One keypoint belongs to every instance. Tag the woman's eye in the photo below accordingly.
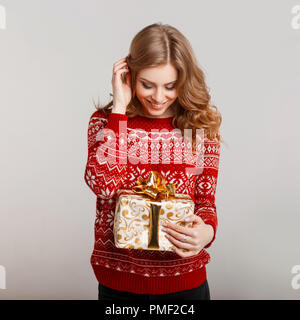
(172, 88)
(147, 87)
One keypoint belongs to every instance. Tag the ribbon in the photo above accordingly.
(155, 186)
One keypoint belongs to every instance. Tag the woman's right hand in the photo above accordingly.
(122, 92)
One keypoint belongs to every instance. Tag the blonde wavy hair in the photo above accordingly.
(159, 44)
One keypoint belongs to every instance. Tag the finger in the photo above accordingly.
(182, 252)
(177, 228)
(195, 219)
(119, 61)
(118, 67)
(178, 243)
(189, 234)
(118, 72)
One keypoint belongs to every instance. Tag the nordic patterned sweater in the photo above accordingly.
(122, 149)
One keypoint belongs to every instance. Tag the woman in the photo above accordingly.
(157, 86)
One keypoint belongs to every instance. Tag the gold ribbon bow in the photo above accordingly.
(155, 186)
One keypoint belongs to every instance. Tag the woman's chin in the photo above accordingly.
(154, 113)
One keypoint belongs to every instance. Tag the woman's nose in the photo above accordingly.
(159, 96)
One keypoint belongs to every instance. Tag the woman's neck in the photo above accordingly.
(168, 114)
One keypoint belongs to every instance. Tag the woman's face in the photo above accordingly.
(155, 89)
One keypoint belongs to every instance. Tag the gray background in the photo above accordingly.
(56, 56)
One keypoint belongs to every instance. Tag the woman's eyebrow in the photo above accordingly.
(154, 83)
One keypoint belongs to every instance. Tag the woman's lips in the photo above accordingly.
(157, 107)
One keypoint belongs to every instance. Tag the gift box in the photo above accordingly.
(141, 211)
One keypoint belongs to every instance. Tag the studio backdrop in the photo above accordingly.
(56, 57)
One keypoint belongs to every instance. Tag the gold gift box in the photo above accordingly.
(139, 217)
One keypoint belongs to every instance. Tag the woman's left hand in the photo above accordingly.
(189, 241)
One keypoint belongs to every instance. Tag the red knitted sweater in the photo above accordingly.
(122, 149)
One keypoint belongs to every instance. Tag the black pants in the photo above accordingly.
(199, 293)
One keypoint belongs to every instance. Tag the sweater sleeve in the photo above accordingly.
(205, 186)
(106, 165)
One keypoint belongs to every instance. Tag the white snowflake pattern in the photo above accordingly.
(110, 218)
(90, 178)
(106, 193)
(99, 217)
